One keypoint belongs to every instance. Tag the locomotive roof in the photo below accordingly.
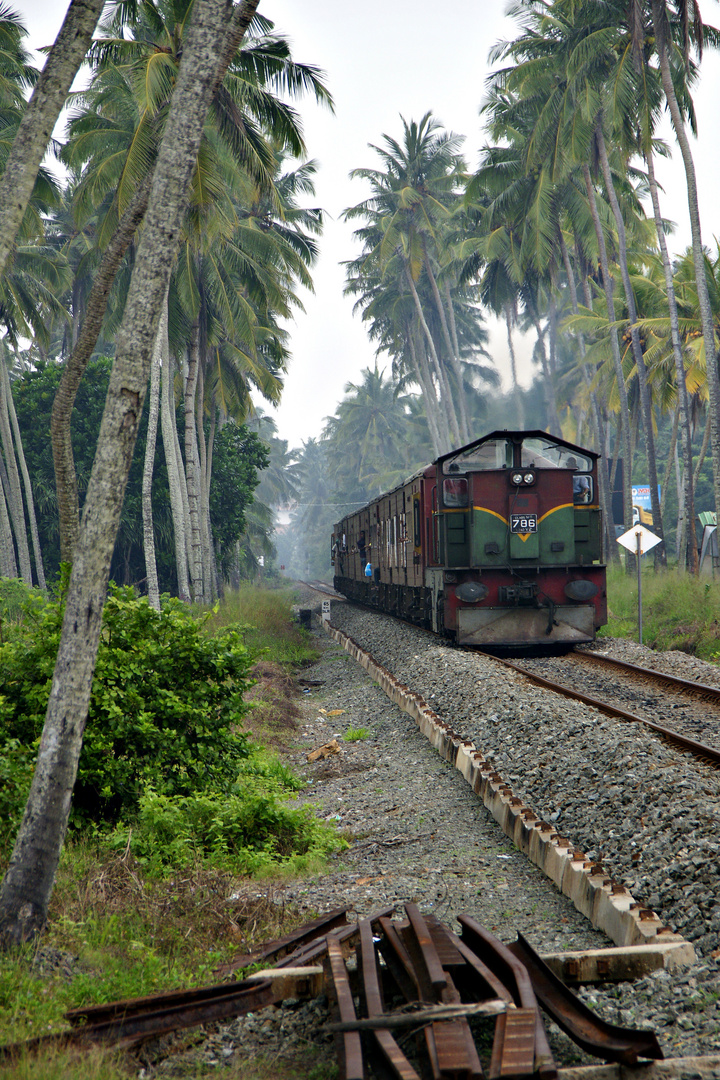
(501, 434)
(508, 433)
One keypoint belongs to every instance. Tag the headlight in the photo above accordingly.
(470, 592)
(529, 478)
(517, 478)
(581, 590)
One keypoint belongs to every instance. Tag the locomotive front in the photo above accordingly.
(515, 537)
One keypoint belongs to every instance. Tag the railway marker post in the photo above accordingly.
(639, 540)
(326, 611)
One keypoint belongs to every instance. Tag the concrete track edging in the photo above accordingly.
(608, 905)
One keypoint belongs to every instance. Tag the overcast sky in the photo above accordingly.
(384, 59)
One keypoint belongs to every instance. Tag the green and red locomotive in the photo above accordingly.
(497, 544)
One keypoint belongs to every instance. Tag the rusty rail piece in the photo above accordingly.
(596, 1036)
(605, 902)
(523, 1038)
(289, 943)
(130, 1022)
(349, 1047)
(708, 754)
(395, 1060)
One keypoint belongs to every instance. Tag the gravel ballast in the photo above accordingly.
(646, 810)
(416, 832)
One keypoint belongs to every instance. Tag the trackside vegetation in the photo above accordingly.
(182, 821)
(679, 611)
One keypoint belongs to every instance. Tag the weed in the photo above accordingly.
(356, 734)
(679, 611)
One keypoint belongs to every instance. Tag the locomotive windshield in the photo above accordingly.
(546, 454)
(492, 454)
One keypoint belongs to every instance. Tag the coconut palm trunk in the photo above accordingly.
(27, 486)
(174, 470)
(153, 587)
(713, 381)
(28, 883)
(617, 359)
(192, 466)
(74, 369)
(43, 110)
(640, 367)
(14, 490)
(8, 563)
(448, 406)
(688, 554)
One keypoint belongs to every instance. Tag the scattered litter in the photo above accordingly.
(504, 856)
(331, 712)
(328, 748)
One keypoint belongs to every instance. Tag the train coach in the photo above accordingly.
(497, 544)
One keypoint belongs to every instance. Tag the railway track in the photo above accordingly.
(675, 709)
(412, 976)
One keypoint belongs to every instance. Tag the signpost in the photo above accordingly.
(326, 611)
(639, 540)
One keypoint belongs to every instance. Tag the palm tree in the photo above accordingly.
(404, 243)
(114, 137)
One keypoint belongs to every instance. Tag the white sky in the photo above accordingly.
(384, 58)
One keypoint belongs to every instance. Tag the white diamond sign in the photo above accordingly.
(647, 539)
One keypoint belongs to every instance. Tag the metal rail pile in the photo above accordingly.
(413, 976)
(442, 981)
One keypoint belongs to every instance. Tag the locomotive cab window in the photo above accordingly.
(582, 486)
(455, 492)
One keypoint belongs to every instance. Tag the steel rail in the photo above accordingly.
(694, 689)
(709, 754)
(596, 1036)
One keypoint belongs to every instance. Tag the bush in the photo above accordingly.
(245, 831)
(166, 700)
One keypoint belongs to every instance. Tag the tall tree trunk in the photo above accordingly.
(29, 500)
(192, 467)
(688, 555)
(517, 396)
(456, 352)
(153, 587)
(43, 110)
(8, 565)
(422, 373)
(445, 390)
(14, 494)
(28, 883)
(174, 471)
(453, 358)
(608, 541)
(209, 590)
(708, 329)
(617, 359)
(74, 369)
(640, 367)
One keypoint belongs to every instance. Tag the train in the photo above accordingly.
(497, 544)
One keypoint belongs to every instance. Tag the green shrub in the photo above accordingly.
(166, 700)
(246, 831)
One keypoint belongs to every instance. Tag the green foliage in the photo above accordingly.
(244, 830)
(237, 457)
(679, 611)
(165, 703)
(266, 622)
(356, 734)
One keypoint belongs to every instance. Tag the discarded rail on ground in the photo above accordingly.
(389, 981)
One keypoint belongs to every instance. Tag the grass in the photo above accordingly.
(264, 615)
(679, 611)
(356, 734)
(117, 931)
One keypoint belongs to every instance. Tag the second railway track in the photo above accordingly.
(683, 712)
